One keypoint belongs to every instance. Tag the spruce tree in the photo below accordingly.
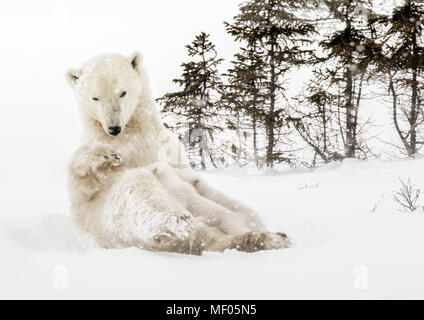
(326, 114)
(402, 62)
(194, 111)
(283, 37)
(245, 96)
(349, 51)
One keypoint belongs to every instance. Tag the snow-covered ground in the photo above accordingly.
(350, 242)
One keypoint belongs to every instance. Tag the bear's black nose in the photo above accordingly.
(114, 131)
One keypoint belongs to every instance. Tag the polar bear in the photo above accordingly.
(130, 183)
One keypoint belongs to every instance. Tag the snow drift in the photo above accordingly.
(351, 241)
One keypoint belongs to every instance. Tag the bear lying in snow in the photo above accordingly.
(130, 182)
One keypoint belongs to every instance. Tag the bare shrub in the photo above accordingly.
(407, 196)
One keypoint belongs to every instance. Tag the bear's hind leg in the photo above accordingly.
(140, 212)
(184, 192)
(253, 241)
(206, 191)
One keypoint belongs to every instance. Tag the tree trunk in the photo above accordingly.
(413, 112)
(255, 134)
(324, 125)
(200, 138)
(270, 122)
(395, 114)
(350, 147)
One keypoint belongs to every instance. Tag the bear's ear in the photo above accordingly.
(136, 59)
(72, 75)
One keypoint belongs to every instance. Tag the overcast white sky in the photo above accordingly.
(39, 40)
(62, 34)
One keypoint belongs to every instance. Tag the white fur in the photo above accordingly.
(136, 188)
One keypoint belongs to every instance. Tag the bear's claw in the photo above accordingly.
(108, 160)
(260, 240)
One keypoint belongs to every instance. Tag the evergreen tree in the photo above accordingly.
(244, 95)
(349, 51)
(272, 26)
(194, 110)
(402, 62)
(327, 112)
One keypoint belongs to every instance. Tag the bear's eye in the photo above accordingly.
(123, 94)
(95, 99)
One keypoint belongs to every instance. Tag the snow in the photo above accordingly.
(351, 241)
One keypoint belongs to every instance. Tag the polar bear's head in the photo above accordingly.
(108, 88)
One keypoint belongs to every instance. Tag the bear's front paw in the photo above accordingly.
(108, 160)
(97, 157)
